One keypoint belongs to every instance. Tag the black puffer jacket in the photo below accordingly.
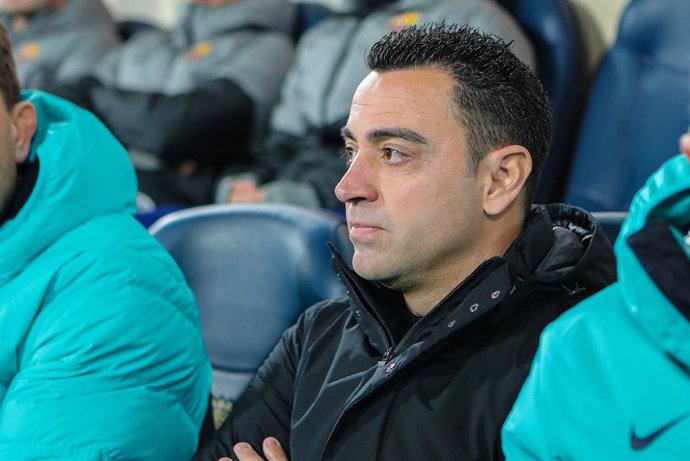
(340, 386)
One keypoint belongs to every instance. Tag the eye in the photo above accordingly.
(394, 156)
(347, 153)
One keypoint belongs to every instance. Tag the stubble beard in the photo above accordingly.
(8, 180)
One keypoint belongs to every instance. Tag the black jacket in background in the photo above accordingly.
(340, 386)
(314, 159)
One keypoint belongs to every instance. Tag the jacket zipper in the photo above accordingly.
(419, 326)
(421, 323)
(360, 306)
(387, 340)
(388, 355)
(390, 352)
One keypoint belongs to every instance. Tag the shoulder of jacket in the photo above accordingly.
(114, 248)
(326, 312)
(593, 314)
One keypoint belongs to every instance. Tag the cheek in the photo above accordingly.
(8, 178)
(447, 194)
(454, 206)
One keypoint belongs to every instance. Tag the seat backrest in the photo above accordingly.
(638, 107)
(561, 66)
(254, 269)
(308, 14)
(611, 221)
(128, 28)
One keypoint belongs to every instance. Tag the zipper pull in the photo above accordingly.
(574, 291)
(388, 355)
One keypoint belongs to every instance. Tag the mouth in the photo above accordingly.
(362, 230)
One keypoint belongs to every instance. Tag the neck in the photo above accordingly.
(425, 296)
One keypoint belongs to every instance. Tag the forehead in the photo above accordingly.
(408, 97)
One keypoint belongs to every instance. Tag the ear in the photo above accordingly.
(25, 122)
(503, 174)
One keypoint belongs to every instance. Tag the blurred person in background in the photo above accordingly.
(187, 102)
(101, 351)
(611, 379)
(57, 41)
(298, 162)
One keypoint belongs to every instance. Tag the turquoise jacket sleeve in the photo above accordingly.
(113, 366)
(525, 434)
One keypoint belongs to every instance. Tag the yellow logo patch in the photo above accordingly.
(199, 51)
(30, 51)
(406, 19)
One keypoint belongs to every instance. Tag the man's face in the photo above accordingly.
(8, 158)
(412, 208)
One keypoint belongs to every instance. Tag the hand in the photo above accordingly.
(271, 446)
(188, 168)
(244, 191)
(685, 144)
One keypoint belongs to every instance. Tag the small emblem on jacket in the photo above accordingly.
(199, 51)
(29, 51)
(406, 19)
(638, 443)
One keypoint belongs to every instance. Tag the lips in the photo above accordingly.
(361, 230)
(352, 223)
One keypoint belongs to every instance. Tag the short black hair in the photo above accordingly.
(9, 84)
(496, 97)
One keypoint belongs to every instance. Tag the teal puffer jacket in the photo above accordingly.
(101, 353)
(611, 380)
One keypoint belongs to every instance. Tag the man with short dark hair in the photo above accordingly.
(297, 161)
(454, 278)
(101, 353)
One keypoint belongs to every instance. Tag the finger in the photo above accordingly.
(245, 452)
(273, 450)
(255, 198)
(247, 197)
(244, 185)
(240, 188)
(685, 144)
(187, 168)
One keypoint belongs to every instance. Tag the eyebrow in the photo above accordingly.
(379, 134)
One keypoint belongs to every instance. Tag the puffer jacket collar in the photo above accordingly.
(559, 245)
(654, 259)
(70, 188)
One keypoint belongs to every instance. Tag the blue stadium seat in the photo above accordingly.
(561, 64)
(253, 269)
(638, 108)
(147, 218)
(128, 28)
(308, 14)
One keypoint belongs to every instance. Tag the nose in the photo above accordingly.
(357, 184)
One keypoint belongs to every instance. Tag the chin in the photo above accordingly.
(370, 270)
(364, 267)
